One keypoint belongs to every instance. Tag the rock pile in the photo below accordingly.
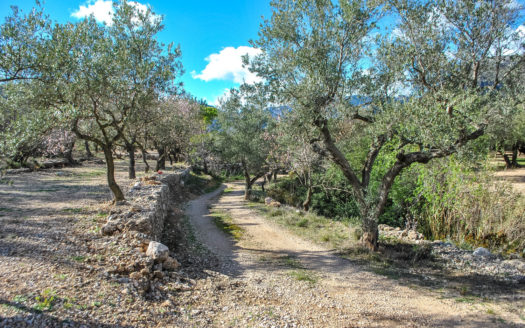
(398, 233)
(480, 261)
(271, 202)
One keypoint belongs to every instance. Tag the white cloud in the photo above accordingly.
(515, 42)
(102, 10)
(221, 98)
(227, 65)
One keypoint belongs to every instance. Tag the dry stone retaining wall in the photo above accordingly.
(139, 222)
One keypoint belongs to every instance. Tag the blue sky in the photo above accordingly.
(213, 35)
(220, 29)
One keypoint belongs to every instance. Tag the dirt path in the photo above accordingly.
(516, 178)
(343, 294)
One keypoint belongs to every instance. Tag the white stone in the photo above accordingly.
(481, 251)
(157, 251)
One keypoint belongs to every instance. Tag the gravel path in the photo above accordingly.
(339, 294)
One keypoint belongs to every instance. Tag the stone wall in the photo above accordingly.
(148, 203)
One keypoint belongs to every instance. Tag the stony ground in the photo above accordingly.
(57, 270)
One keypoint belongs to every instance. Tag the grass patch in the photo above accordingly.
(466, 299)
(303, 275)
(308, 225)
(20, 299)
(74, 210)
(202, 183)
(78, 258)
(228, 190)
(90, 174)
(45, 300)
(224, 222)
(291, 262)
(60, 276)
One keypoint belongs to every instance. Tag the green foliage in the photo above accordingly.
(242, 125)
(202, 183)
(208, 114)
(45, 300)
(309, 225)
(304, 275)
(452, 200)
(224, 222)
(334, 202)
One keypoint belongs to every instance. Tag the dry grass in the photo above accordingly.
(335, 234)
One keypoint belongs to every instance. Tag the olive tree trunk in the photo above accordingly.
(308, 200)
(88, 150)
(110, 170)
(130, 148)
(145, 160)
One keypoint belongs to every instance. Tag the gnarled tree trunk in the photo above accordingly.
(370, 236)
(88, 150)
(68, 154)
(161, 160)
(130, 148)
(145, 160)
(308, 200)
(110, 171)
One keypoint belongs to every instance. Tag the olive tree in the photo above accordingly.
(23, 40)
(243, 125)
(425, 95)
(106, 74)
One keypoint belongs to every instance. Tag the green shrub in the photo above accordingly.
(469, 207)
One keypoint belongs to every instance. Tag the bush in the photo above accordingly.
(466, 206)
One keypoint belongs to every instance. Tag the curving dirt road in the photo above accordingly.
(343, 294)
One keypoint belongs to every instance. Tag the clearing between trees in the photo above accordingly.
(55, 263)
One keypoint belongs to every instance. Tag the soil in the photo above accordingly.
(54, 267)
(515, 177)
(356, 296)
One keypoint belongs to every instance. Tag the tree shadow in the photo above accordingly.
(30, 317)
(417, 267)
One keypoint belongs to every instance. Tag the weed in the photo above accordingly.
(466, 299)
(303, 275)
(90, 174)
(303, 223)
(228, 190)
(60, 276)
(19, 299)
(96, 304)
(464, 290)
(275, 213)
(95, 229)
(78, 258)
(326, 237)
(45, 300)
(224, 222)
(11, 307)
(491, 311)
